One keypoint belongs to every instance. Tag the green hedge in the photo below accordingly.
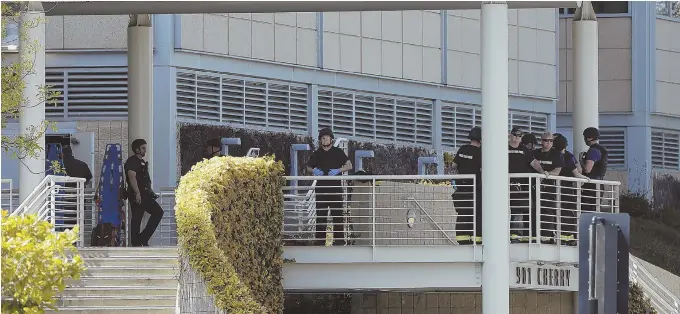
(229, 216)
(638, 303)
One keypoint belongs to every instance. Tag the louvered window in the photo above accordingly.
(241, 101)
(376, 117)
(665, 149)
(614, 140)
(457, 120)
(87, 93)
(533, 123)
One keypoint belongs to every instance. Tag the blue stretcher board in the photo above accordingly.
(110, 181)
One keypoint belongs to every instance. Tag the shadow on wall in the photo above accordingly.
(388, 160)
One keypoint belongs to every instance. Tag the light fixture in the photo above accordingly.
(12, 47)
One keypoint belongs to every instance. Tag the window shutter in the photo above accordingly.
(614, 140)
(87, 92)
(533, 123)
(376, 116)
(457, 120)
(665, 149)
(241, 101)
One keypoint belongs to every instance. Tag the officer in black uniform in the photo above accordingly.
(468, 160)
(213, 148)
(142, 198)
(594, 167)
(552, 163)
(529, 140)
(520, 160)
(570, 169)
(328, 161)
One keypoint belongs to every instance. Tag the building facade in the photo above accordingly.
(399, 77)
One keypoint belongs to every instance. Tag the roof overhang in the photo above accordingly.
(53, 8)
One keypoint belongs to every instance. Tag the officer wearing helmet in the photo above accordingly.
(571, 169)
(213, 148)
(594, 166)
(468, 160)
(529, 141)
(328, 161)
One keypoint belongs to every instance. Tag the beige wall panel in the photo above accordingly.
(95, 31)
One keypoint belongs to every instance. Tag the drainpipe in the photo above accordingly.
(226, 141)
(423, 162)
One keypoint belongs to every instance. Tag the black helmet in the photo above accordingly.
(475, 134)
(591, 132)
(560, 141)
(326, 131)
(528, 139)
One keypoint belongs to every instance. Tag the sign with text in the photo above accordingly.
(532, 276)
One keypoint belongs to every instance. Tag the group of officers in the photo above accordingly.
(551, 159)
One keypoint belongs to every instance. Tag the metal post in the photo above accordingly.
(592, 298)
(226, 141)
(584, 38)
(294, 162)
(359, 155)
(496, 248)
(423, 162)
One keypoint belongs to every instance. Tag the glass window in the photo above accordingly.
(602, 7)
(668, 8)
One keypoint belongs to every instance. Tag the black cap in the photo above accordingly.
(517, 131)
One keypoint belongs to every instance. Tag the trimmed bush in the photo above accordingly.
(229, 216)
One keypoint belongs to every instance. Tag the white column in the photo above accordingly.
(495, 191)
(32, 51)
(140, 83)
(585, 112)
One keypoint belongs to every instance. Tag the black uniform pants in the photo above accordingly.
(520, 199)
(548, 209)
(468, 205)
(590, 196)
(150, 206)
(334, 203)
(568, 209)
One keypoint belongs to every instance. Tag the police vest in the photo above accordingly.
(600, 167)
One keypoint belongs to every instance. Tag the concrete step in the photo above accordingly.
(116, 309)
(131, 261)
(119, 291)
(164, 281)
(107, 301)
(114, 252)
(131, 271)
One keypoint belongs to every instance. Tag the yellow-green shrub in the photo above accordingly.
(229, 219)
(35, 263)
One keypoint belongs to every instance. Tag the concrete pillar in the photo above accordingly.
(496, 206)
(32, 51)
(585, 112)
(140, 83)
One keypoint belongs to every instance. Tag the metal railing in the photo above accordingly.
(59, 200)
(545, 210)
(9, 196)
(661, 298)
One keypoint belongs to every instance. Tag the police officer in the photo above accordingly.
(328, 161)
(529, 140)
(551, 162)
(213, 148)
(142, 198)
(468, 160)
(570, 169)
(594, 163)
(520, 160)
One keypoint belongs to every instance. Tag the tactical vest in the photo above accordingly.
(600, 167)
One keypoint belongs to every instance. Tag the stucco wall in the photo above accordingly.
(667, 67)
(86, 32)
(614, 40)
(397, 44)
(521, 302)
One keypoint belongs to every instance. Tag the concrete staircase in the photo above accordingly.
(124, 280)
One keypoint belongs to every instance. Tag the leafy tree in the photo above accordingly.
(14, 71)
(638, 303)
(36, 261)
